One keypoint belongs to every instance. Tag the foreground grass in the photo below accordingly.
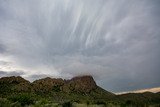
(24, 100)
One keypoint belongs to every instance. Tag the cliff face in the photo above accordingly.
(80, 84)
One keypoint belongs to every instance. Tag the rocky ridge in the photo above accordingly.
(78, 89)
(81, 84)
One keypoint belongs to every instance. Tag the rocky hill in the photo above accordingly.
(78, 89)
(83, 84)
(79, 85)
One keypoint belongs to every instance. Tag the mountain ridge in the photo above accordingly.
(81, 89)
(78, 84)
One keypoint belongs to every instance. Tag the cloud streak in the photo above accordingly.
(115, 41)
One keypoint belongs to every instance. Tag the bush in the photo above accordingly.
(56, 88)
(23, 99)
(67, 104)
(100, 103)
(4, 103)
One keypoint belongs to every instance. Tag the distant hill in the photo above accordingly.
(81, 89)
(154, 90)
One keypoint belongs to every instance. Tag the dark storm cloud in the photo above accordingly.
(115, 41)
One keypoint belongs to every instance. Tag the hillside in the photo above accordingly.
(81, 89)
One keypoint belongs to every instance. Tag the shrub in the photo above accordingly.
(56, 88)
(101, 103)
(4, 103)
(67, 104)
(23, 99)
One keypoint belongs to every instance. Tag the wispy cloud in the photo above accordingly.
(116, 41)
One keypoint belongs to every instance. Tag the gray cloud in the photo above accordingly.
(2, 72)
(2, 63)
(11, 73)
(115, 41)
(2, 49)
(37, 76)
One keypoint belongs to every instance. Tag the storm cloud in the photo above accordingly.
(115, 41)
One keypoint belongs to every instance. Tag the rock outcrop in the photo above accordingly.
(17, 84)
(83, 84)
(47, 84)
(13, 80)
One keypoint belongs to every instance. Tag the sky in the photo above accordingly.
(115, 41)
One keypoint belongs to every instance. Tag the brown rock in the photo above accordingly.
(23, 87)
(13, 80)
(47, 84)
(80, 84)
(18, 83)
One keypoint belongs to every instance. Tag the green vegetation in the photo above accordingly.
(22, 98)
